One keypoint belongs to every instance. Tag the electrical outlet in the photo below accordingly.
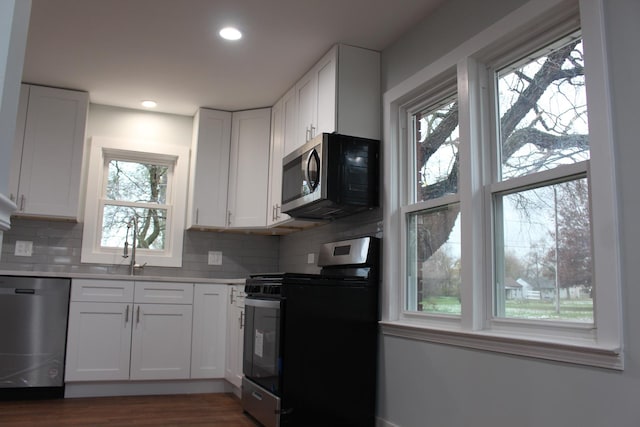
(215, 258)
(23, 248)
(311, 258)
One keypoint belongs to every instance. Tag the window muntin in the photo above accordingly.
(542, 110)
(433, 260)
(435, 143)
(543, 253)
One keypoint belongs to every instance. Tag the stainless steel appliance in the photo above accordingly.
(331, 176)
(310, 341)
(33, 315)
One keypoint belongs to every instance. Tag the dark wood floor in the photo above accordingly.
(176, 410)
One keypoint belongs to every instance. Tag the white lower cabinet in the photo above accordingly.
(161, 342)
(98, 341)
(235, 335)
(112, 340)
(209, 327)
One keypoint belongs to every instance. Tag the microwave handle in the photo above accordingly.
(313, 155)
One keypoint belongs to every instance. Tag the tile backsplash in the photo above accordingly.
(57, 246)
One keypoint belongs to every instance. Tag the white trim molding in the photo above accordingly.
(589, 355)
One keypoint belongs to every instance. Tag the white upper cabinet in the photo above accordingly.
(249, 169)
(209, 177)
(341, 93)
(282, 133)
(48, 160)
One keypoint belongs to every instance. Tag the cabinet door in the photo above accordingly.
(52, 154)
(18, 142)
(98, 341)
(235, 338)
(289, 122)
(306, 97)
(325, 80)
(249, 174)
(278, 123)
(209, 175)
(161, 341)
(208, 349)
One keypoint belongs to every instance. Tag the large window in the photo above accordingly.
(136, 194)
(541, 210)
(135, 198)
(499, 183)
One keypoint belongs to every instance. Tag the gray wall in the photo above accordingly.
(57, 246)
(429, 384)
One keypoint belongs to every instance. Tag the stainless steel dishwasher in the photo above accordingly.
(33, 315)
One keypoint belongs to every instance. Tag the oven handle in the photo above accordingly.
(262, 303)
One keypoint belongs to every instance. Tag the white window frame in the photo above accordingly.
(103, 149)
(476, 328)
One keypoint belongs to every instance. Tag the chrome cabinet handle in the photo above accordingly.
(126, 315)
(241, 319)
(138, 314)
(312, 131)
(231, 296)
(22, 201)
(197, 215)
(278, 211)
(228, 218)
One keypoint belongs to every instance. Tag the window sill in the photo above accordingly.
(579, 353)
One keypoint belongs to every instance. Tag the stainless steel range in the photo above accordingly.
(310, 340)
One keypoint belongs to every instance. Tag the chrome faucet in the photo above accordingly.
(133, 222)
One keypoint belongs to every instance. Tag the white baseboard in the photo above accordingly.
(141, 388)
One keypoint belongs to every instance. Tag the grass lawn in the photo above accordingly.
(577, 310)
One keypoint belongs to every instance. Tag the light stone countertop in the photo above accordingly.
(122, 277)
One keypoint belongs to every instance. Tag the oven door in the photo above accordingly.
(261, 356)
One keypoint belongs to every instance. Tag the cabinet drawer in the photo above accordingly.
(102, 290)
(163, 293)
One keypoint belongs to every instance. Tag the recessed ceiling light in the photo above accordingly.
(230, 33)
(149, 104)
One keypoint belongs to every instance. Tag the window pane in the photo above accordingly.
(433, 256)
(137, 182)
(542, 107)
(436, 151)
(117, 225)
(544, 263)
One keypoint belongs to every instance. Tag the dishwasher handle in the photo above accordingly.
(25, 291)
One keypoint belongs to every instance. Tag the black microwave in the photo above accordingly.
(331, 176)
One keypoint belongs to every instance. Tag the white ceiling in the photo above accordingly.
(125, 51)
